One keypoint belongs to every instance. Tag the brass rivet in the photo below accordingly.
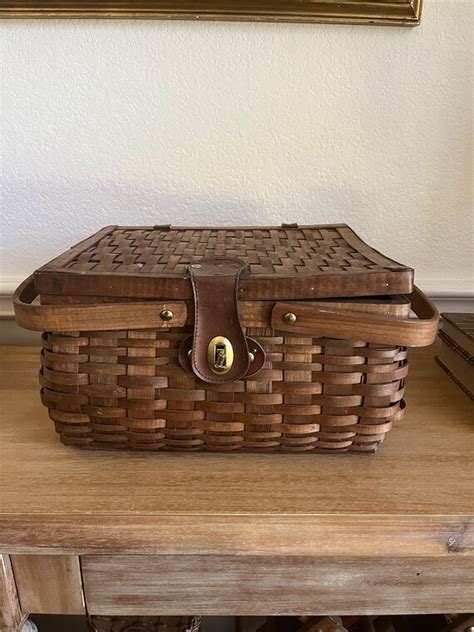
(251, 356)
(166, 314)
(190, 353)
(289, 318)
(469, 629)
(195, 265)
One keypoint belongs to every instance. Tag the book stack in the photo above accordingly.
(456, 356)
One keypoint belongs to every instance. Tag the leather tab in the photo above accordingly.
(216, 323)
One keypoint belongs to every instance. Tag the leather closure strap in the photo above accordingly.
(220, 352)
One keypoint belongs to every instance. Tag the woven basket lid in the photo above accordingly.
(288, 262)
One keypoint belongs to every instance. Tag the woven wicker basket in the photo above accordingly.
(143, 624)
(225, 339)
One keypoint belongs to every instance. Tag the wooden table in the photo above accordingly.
(139, 533)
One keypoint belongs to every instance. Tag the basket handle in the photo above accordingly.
(324, 321)
(94, 317)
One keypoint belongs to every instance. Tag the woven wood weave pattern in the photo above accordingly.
(274, 251)
(125, 389)
(143, 624)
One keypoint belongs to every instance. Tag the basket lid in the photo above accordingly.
(287, 262)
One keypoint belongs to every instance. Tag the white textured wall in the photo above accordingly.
(140, 122)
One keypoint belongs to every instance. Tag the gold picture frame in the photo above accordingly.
(383, 12)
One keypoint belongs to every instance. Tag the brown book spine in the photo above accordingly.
(455, 347)
(454, 378)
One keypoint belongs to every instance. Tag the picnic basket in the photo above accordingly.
(291, 339)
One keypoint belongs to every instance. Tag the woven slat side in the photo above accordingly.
(126, 389)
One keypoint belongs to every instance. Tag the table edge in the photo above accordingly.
(239, 534)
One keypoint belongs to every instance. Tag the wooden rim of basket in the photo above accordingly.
(310, 320)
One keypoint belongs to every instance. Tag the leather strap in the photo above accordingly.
(215, 283)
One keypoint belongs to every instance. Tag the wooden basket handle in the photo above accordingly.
(314, 321)
(332, 323)
(94, 317)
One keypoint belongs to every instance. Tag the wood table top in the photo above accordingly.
(413, 497)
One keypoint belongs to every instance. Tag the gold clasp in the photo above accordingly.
(220, 355)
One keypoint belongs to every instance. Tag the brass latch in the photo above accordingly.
(220, 355)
